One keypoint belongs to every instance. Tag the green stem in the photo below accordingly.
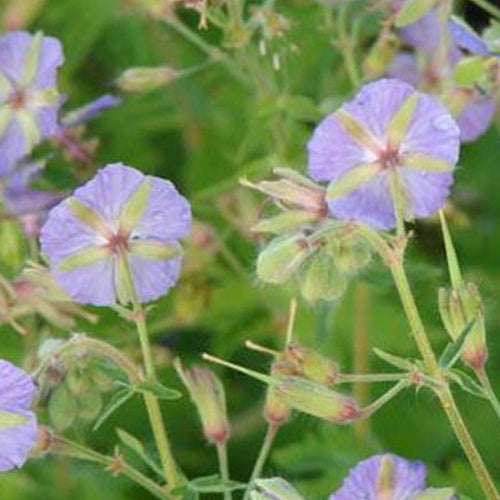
(224, 467)
(488, 390)
(67, 447)
(213, 52)
(272, 430)
(361, 356)
(445, 395)
(363, 378)
(346, 45)
(152, 404)
(369, 410)
(488, 7)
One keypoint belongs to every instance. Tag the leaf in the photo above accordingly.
(214, 484)
(118, 399)
(467, 383)
(136, 446)
(63, 408)
(412, 11)
(452, 352)
(159, 390)
(397, 361)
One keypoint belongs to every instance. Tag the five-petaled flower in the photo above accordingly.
(17, 421)
(117, 236)
(390, 146)
(29, 101)
(388, 476)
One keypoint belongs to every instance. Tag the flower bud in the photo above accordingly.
(141, 79)
(322, 279)
(316, 400)
(282, 257)
(276, 411)
(274, 488)
(349, 254)
(458, 308)
(314, 365)
(207, 393)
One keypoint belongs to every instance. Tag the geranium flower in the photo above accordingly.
(387, 476)
(120, 221)
(389, 137)
(29, 101)
(17, 421)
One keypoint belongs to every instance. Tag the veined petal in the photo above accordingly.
(11, 419)
(398, 126)
(154, 250)
(135, 206)
(32, 58)
(351, 180)
(426, 163)
(29, 127)
(88, 216)
(83, 258)
(358, 132)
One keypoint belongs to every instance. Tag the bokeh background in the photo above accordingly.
(203, 132)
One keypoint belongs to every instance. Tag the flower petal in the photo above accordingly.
(16, 442)
(16, 387)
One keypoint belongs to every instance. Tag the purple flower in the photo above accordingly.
(386, 476)
(120, 226)
(390, 137)
(17, 421)
(28, 97)
(30, 205)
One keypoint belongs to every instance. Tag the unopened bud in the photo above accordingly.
(322, 279)
(285, 222)
(314, 365)
(274, 488)
(282, 257)
(317, 400)
(458, 308)
(207, 393)
(276, 411)
(141, 79)
(349, 254)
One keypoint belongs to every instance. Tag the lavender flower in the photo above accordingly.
(389, 137)
(387, 476)
(121, 225)
(28, 98)
(30, 205)
(17, 421)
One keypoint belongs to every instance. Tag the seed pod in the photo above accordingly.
(317, 400)
(313, 365)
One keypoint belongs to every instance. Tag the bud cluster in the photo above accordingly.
(310, 250)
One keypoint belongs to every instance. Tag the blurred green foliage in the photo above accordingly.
(203, 132)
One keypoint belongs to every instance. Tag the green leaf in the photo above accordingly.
(214, 484)
(136, 446)
(300, 108)
(63, 408)
(159, 390)
(452, 352)
(117, 399)
(456, 279)
(397, 361)
(413, 10)
(467, 383)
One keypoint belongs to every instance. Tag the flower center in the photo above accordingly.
(389, 157)
(17, 99)
(118, 243)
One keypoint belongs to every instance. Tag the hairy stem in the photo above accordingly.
(224, 467)
(65, 446)
(272, 430)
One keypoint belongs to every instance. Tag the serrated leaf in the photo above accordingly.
(452, 352)
(136, 446)
(118, 399)
(397, 361)
(159, 390)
